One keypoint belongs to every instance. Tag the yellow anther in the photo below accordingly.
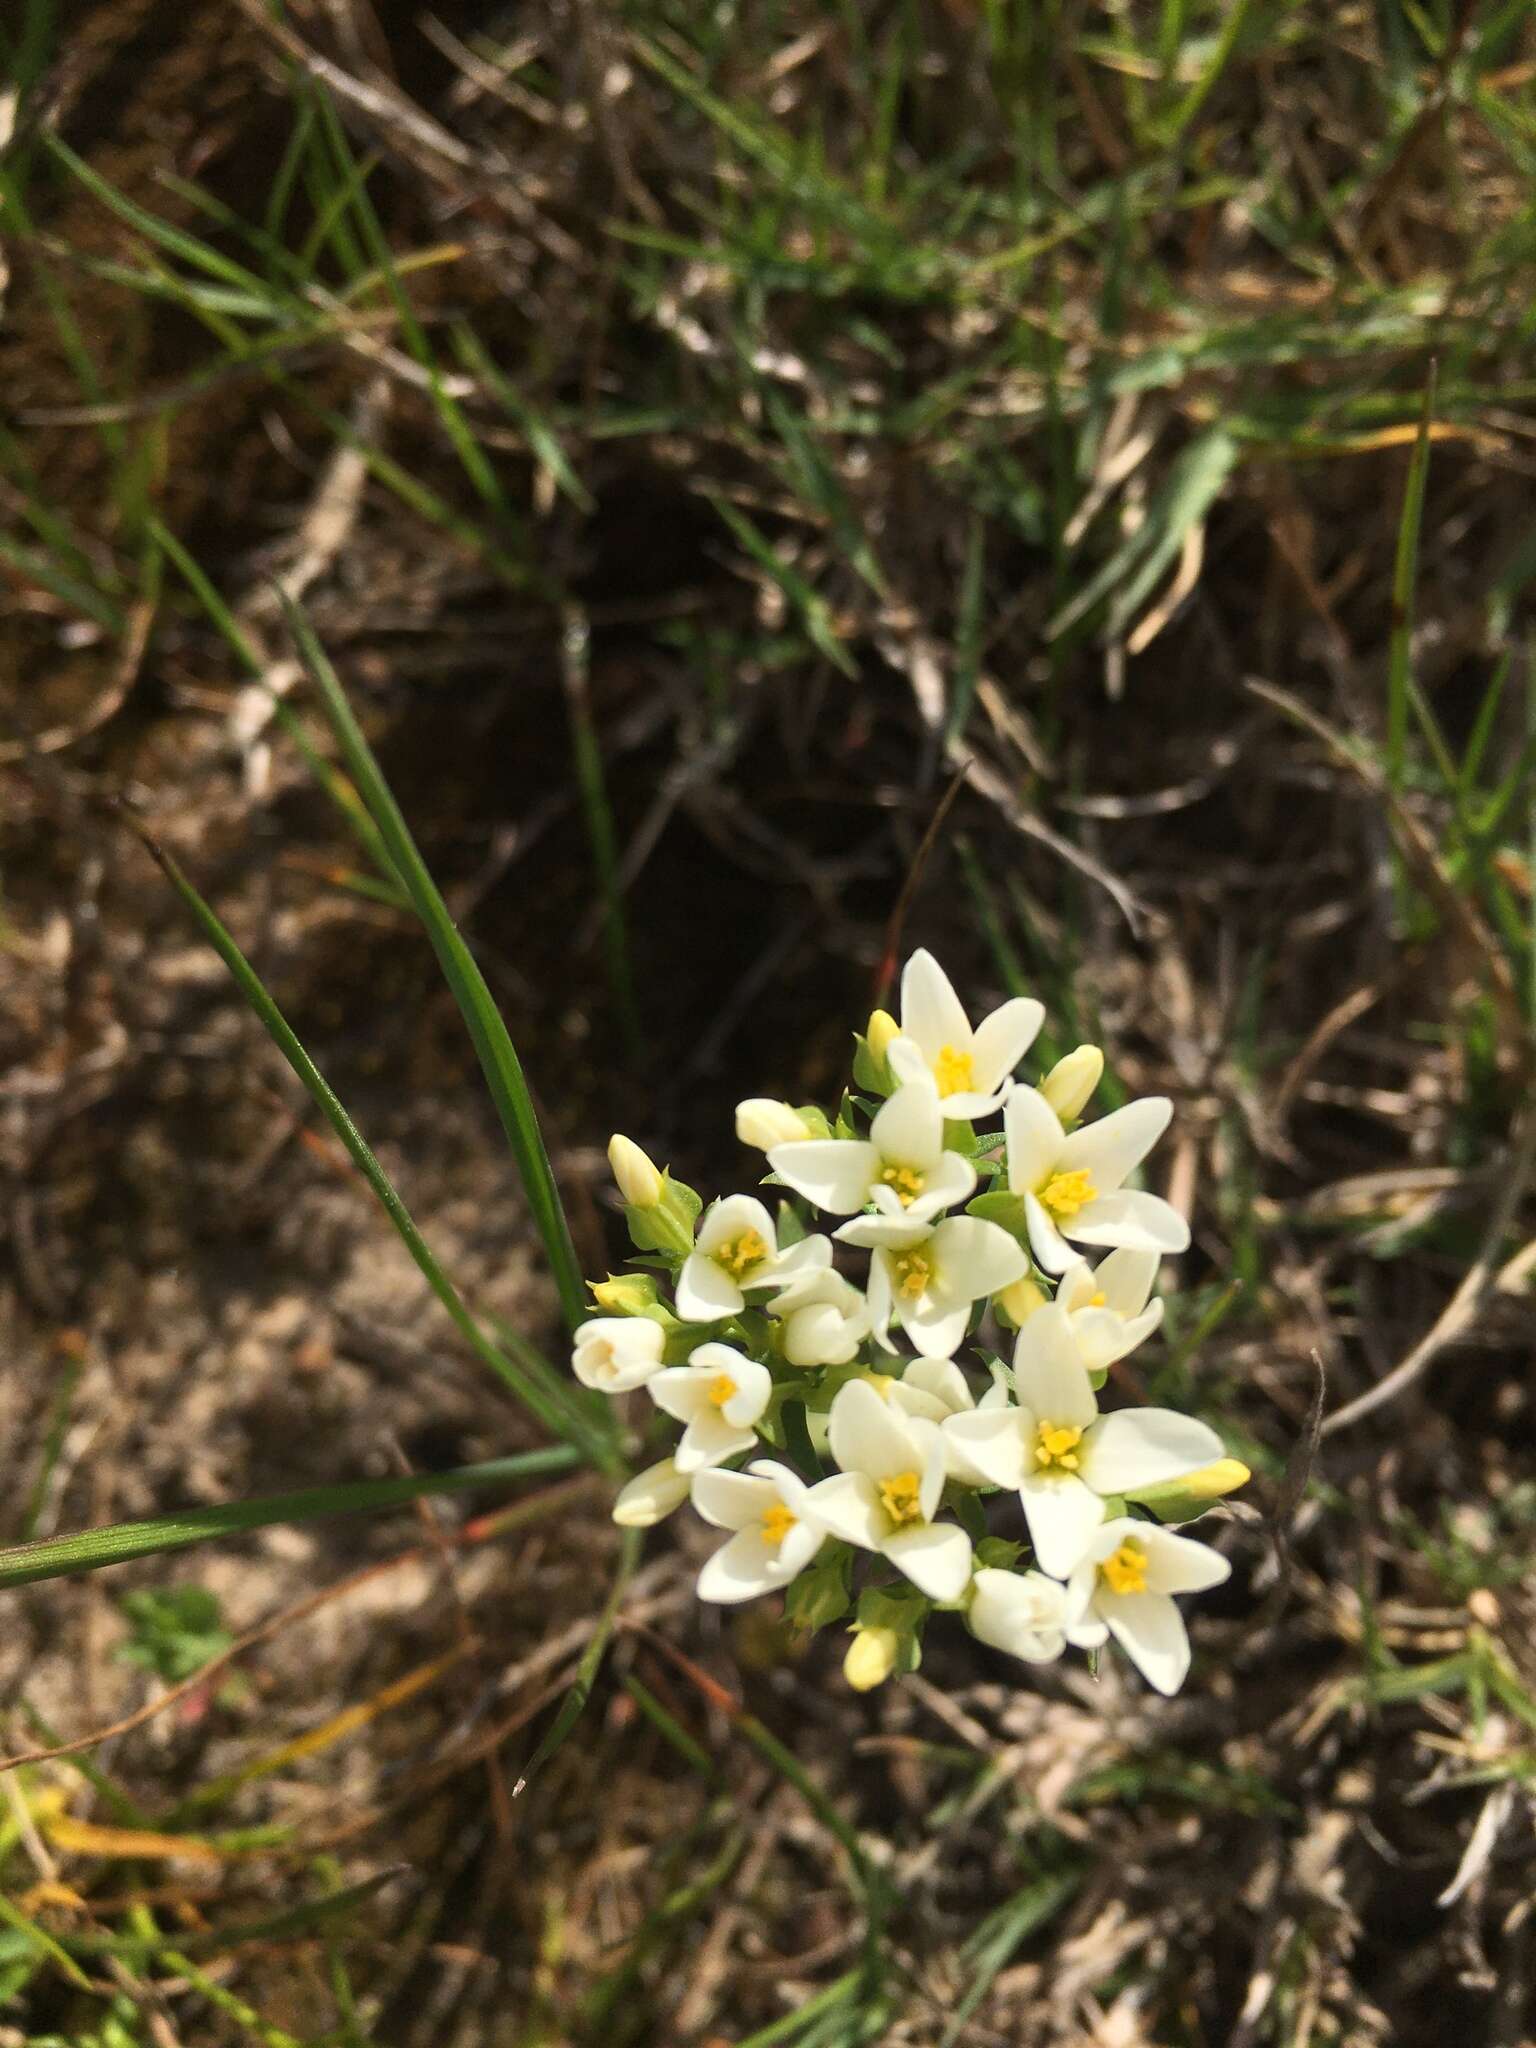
(1065, 1193)
(1056, 1447)
(900, 1496)
(954, 1071)
(914, 1271)
(1126, 1570)
(907, 1182)
(1096, 1300)
(739, 1255)
(777, 1524)
(722, 1388)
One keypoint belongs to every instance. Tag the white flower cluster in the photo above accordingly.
(764, 1342)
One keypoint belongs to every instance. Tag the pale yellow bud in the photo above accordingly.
(624, 1294)
(638, 1180)
(1071, 1081)
(650, 1496)
(1020, 1301)
(1224, 1475)
(871, 1658)
(880, 1030)
(764, 1123)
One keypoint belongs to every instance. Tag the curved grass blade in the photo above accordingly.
(535, 1383)
(497, 1055)
(92, 1550)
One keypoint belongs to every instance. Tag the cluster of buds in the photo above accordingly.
(828, 1428)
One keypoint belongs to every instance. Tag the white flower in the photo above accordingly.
(1107, 1305)
(1125, 1583)
(651, 1496)
(887, 1492)
(1024, 1613)
(1073, 1186)
(719, 1394)
(761, 1123)
(902, 1166)
(969, 1068)
(1061, 1454)
(738, 1248)
(825, 1318)
(615, 1353)
(776, 1533)
(929, 1276)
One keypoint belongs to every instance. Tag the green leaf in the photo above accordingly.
(93, 1549)
(498, 1057)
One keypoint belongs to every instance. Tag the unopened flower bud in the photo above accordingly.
(1071, 1081)
(763, 1123)
(871, 1658)
(651, 1496)
(880, 1030)
(1223, 1475)
(625, 1294)
(1019, 1302)
(639, 1181)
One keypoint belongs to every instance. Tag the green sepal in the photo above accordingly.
(1178, 1507)
(901, 1609)
(869, 1072)
(999, 1206)
(998, 1554)
(821, 1592)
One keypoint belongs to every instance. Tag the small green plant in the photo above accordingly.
(175, 1630)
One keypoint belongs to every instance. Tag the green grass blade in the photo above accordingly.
(498, 1057)
(574, 1703)
(93, 1549)
(566, 1416)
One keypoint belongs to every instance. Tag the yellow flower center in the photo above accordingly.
(721, 1389)
(955, 1071)
(777, 1524)
(1096, 1300)
(900, 1497)
(907, 1182)
(1056, 1447)
(914, 1271)
(739, 1255)
(1065, 1193)
(1126, 1570)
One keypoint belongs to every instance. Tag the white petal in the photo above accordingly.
(975, 1258)
(789, 1486)
(934, 1468)
(832, 1173)
(1112, 1146)
(936, 1557)
(991, 1440)
(709, 1440)
(1052, 1252)
(732, 1500)
(1049, 1375)
(705, 1292)
(727, 1219)
(739, 1570)
(1079, 1284)
(679, 1392)
(1178, 1564)
(796, 1549)
(848, 1506)
(1150, 1630)
(651, 1495)
(907, 1062)
(894, 1233)
(909, 1130)
(931, 1012)
(617, 1353)
(951, 1181)
(868, 1436)
(754, 1385)
(1143, 1446)
(1127, 1217)
(878, 1300)
(943, 1379)
(934, 1327)
(1125, 1280)
(1023, 1613)
(1035, 1139)
(1002, 1040)
(821, 1333)
(1104, 1336)
(1063, 1516)
(968, 1108)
